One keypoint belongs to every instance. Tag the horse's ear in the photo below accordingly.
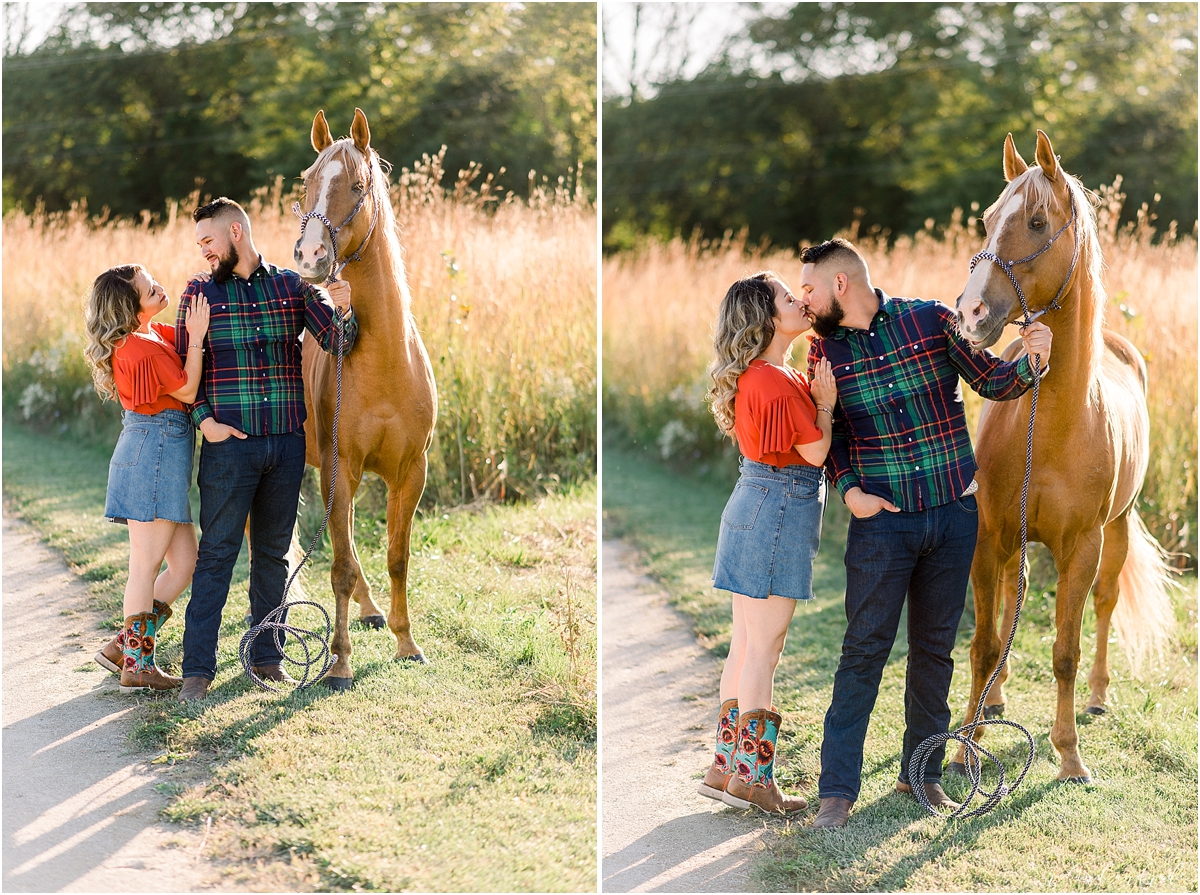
(321, 138)
(360, 132)
(1046, 159)
(1014, 165)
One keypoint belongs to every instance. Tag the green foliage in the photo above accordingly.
(893, 113)
(127, 105)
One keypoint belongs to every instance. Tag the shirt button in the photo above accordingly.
(881, 357)
(891, 385)
(916, 467)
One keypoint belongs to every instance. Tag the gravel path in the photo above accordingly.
(659, 715)
(80, 809)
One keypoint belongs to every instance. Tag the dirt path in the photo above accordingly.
(80, 809)
(660, 705)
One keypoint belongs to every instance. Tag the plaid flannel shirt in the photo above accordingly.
(252, 379)
(899, 430)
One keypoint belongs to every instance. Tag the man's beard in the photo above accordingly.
(825, 325)
(226, 265)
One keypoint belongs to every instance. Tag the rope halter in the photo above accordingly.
(336, 267)
(1007, 267)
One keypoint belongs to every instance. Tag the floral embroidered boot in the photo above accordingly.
(110, 657)
(139, 671)
(722, 763)
(753, 781)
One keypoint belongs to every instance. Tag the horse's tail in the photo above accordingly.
(1144, 614)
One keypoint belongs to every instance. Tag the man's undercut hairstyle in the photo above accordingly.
(840, 252)
(223, 211)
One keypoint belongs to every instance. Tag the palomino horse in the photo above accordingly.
(1090, 446)
(389, 401)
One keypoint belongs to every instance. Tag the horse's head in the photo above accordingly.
(1023, 227)
(337, 211)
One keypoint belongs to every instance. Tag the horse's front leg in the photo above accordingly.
(346, 572)
(369, 612)
(985, 645)
(994, 702)
(1076, 576)
(1112, 558)
(402, 504)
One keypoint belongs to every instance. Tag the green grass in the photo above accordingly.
(1133, 829)
(475, 773)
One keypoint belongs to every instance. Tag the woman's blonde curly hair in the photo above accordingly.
(111, 310)
(745, 327)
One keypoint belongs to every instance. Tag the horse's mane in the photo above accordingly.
(1040, 192)
(387, 228)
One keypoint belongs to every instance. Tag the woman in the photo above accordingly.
(771, 526)
(134, 360)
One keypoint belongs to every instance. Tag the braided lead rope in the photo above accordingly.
(275, 621)
(963, 735)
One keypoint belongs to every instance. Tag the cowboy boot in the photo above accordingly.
(933, 792)
(719, 771)
(110, 657)
(139, 671)
(753, 779)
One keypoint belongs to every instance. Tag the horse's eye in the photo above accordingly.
(1037, 223)
(359, 187)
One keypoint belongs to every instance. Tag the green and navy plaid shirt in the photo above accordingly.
(252, 378)
(899, 430)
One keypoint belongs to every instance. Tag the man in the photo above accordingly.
(901, 458)
(250, 410)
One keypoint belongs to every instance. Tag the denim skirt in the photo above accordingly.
(770, 531)
(151, 468)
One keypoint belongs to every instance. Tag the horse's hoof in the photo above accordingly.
(993, 711)
(249, 620)
(378, 622)
(417, 659)
(1084, 779)
(1095, 710)
(956, 769)
(338, 684)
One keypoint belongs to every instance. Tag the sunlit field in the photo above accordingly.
(503, 293)
(660, 301)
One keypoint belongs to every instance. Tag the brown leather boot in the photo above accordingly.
(720, 770)
(110, 658)
(833, 814)
(139, 671)
(274, 673)
(753, 781)
(934, 792)
(194, 688)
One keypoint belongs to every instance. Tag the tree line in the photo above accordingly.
(125, 106)
(894, 114)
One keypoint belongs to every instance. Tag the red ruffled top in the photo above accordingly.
(146, 368)
(773, 411)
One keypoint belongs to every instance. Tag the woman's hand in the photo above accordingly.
(823, 386)
(197, 319)
(202, 276)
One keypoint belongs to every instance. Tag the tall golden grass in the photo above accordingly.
(504, 293)
(660, 302)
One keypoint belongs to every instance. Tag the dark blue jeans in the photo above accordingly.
(926, 558)
(259, 477)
